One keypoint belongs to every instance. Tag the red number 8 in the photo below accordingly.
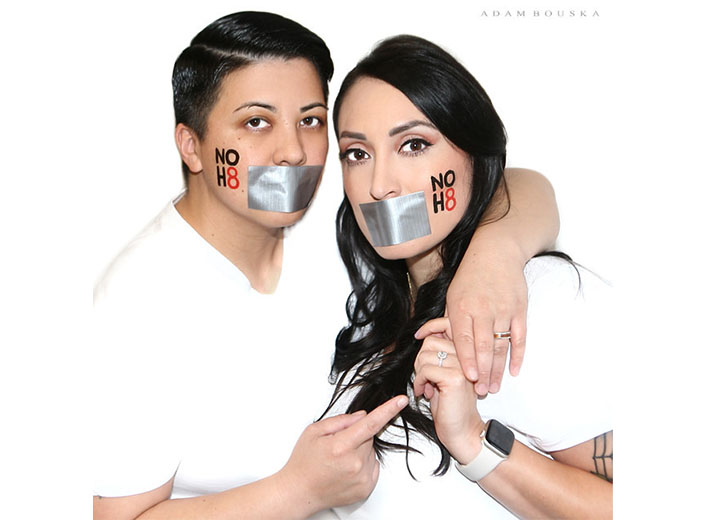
(450, 198)
(233, 176)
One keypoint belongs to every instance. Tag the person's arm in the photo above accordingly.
(332, 464)
(533, 486)
(266, 498)
(488, 293)
(576, 484)
(118, 508)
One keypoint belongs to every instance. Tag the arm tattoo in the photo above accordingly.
(602, 456)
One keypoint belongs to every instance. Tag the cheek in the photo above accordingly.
(442, 192)
(316, 147)
(230, 163)
(448, 194)
(354, 193)
(228, 167)
(354, 189)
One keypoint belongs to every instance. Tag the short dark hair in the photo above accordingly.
(229, 43)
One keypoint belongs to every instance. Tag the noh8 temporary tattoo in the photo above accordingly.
(225, 161)
(443, 193)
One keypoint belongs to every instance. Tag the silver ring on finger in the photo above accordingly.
(441, 356)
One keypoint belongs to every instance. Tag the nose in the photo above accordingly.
(385, 183)
(289, 150)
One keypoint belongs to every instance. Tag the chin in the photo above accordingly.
(404, 250)
(275, 219)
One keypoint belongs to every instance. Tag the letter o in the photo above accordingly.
(228, 154)
(449, 178)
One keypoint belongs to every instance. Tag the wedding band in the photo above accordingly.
(502, 335)
(441, 356)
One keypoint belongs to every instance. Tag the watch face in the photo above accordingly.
(499, 436)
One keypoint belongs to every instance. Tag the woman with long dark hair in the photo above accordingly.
(423, 154)
(204, 314)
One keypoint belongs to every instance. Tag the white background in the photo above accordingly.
(609, 108)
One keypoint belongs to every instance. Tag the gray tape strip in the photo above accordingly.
(281, 188)
(396, 220)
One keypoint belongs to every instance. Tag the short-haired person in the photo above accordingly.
(406, 137)
(214, 327)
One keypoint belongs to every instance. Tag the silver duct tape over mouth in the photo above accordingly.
(281, 188)
(397, 220)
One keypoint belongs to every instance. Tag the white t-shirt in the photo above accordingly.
(198, 374)
(560, 399)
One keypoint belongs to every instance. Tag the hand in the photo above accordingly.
(452, 397)
(334, 461)
(489, 295)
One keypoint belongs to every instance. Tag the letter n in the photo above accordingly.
(437, 183)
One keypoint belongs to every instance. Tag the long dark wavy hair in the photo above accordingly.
(375, 353)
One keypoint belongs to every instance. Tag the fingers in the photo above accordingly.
(428, 391)
(484, 351)
(483, 355)
(499, 360)
(429, 373)
(462, 325)
(518, 347)
(428, 354)
(338, 423)
(370, 425)
(436, 326)
(439, 327)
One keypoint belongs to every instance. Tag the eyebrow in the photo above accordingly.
(353, 135)
(272, 108)
(407, 126)
(308, 107)
(394, 131)
(260, 104)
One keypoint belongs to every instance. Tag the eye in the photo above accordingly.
(354, 155)
(257, 123)
(414, 146)
(311, 122)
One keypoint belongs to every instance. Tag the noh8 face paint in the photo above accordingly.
(284, 189)
(396, 220)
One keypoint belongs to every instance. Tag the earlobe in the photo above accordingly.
(188, 145)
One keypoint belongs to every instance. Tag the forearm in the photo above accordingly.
(273, 498)
(533, 486)
(522, 226)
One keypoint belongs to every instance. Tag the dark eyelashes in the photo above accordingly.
(425, 144)
(345, 156)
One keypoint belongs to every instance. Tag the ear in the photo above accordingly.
(189, 147)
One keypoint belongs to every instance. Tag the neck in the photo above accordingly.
(423, 267)
(255, 250)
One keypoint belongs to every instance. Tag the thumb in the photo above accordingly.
(435, 326)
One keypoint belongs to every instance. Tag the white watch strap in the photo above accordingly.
(482, 465)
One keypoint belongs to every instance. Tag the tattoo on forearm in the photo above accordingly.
(602, 456)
